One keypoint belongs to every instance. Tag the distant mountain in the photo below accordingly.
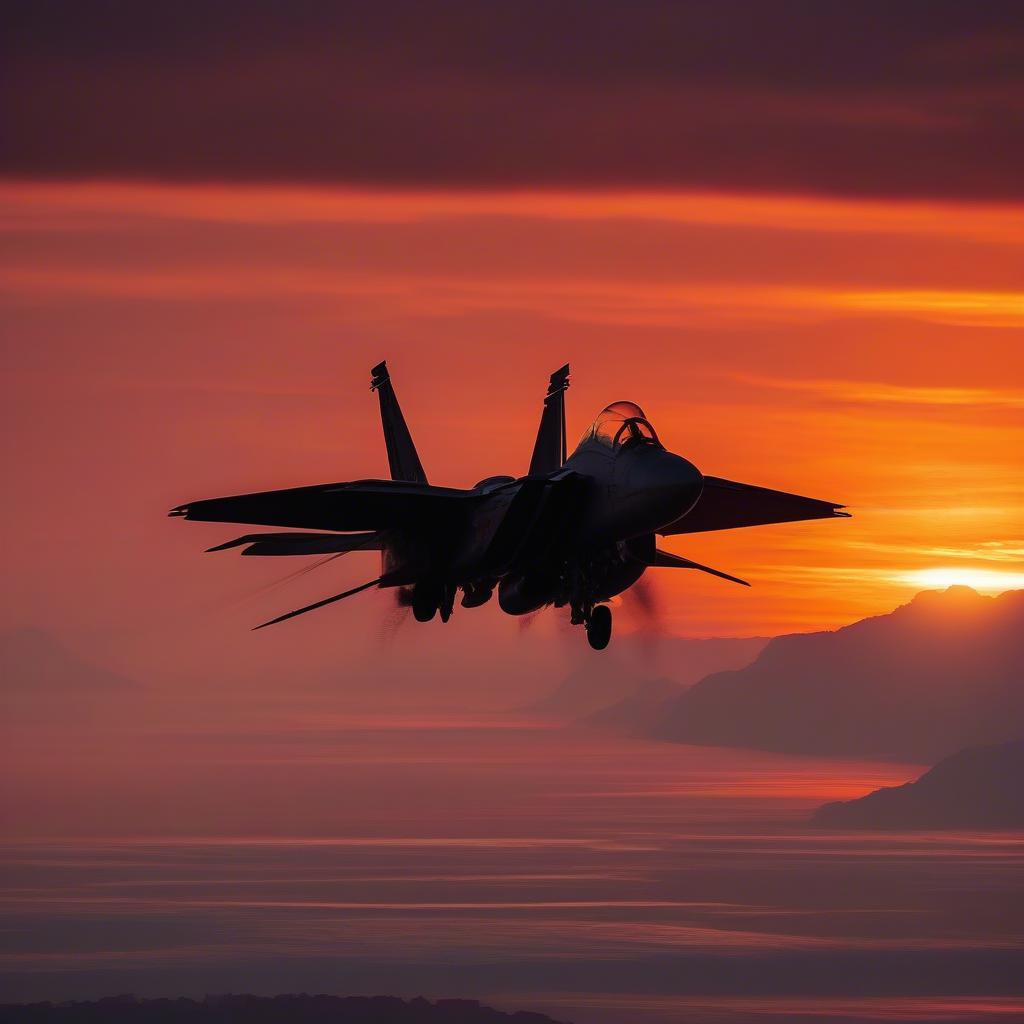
(42, 682)
(637, 713)
(979, 788)
(34, 661)
(945, 671)
(299, 1009)
(636, 660)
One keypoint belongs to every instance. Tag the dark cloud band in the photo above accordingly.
(910, 99)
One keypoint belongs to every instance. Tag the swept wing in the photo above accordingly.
(728, 504)
(360, 505)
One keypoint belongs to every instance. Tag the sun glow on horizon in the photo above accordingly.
(988, 581)
(910, 414)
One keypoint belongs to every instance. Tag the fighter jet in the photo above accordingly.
(573, 532)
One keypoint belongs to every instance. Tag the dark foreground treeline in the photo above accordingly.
(298, 1009)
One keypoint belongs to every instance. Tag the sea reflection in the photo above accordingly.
(602, 880)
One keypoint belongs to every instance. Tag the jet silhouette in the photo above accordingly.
(572, 532)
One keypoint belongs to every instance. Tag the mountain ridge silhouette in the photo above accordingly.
(634, 663)
(940, 673)
(976, 788)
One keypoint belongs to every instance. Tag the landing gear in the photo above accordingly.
(597, 618)
(430, 598)
(424, 602)
(447, 601)
(599, 627)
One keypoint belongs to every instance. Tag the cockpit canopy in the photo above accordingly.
(621, 425)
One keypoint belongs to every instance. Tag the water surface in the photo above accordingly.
(601, 880)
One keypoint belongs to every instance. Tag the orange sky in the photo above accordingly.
(793, 233)
(166, 343)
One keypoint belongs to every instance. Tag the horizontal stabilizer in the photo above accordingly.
(728, 505)
(302, 543)
(360, 505)
(666, 560)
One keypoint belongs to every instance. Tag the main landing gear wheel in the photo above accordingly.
(424, 603)
(599, 627)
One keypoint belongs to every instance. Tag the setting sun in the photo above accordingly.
(989, 581)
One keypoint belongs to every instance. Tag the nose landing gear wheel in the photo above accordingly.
(599, 627)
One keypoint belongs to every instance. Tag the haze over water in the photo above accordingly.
(599, 879)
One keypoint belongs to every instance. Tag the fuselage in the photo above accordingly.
(549, 540)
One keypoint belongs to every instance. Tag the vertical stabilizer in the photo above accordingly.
(549, 449)
(404, 462)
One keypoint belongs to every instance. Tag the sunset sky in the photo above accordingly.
(791, 230)
(808, 272)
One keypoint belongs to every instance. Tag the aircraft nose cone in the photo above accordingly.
(665, 485)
